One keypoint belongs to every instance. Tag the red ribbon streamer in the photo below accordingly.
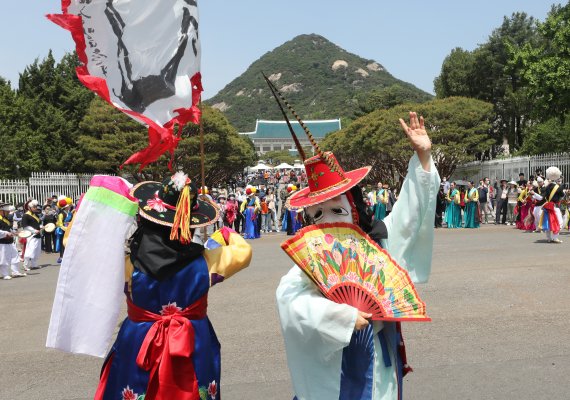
(552, 219)
(167, 349)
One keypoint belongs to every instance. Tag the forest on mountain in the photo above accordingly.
(322, 80)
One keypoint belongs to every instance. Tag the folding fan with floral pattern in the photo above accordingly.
(350, 268)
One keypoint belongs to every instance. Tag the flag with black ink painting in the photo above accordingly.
(143, 57)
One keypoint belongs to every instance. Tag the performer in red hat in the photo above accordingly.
(250, 209)
(333, 351)
(292, 220)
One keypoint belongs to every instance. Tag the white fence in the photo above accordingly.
(510, 168)
(42, 185)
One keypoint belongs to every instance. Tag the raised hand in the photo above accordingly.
(419, 138)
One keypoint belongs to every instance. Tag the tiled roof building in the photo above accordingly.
(275, 135)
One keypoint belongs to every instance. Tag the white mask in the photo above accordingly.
(333, 210)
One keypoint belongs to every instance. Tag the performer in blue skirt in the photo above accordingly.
(250, 209)
(453, 210)
(471, 206)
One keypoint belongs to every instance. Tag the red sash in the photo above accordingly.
(552, 219)
(167, 349)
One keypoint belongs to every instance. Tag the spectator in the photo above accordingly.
(502, 201)
(483, 199)
(445, 185)
(272, 216)
(264, 213)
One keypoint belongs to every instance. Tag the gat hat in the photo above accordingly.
(5, 206)
(553, 173)
(325, 176)
(512, 183)
(175, 203)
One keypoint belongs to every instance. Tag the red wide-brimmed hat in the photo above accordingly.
(327, 180)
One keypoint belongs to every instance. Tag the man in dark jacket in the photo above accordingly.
(502, 200)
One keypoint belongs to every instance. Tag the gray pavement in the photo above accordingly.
(498, 299)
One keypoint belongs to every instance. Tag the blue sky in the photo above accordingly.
(410, 38)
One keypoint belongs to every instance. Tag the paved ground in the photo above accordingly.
(498, 298)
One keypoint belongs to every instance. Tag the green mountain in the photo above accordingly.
(320, 80)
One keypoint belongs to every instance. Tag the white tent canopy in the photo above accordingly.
(283, 166)
(260, 166)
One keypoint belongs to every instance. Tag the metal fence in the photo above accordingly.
(510, 168)
(42, 185)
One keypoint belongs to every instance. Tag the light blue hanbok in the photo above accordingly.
(327, 359)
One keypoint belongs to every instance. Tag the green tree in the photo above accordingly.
(226, 152)
(551, 136)
(279, 156)
(456, 75)
(546, 65)
(389, 97)
(458, 128)
(488, 73)
(108, 137)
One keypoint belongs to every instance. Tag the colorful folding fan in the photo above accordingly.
(349, 267)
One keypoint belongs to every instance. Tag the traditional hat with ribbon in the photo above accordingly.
(64, 201)
(175, 203)
(325, 176)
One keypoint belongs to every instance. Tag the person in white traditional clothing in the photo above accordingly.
(9, 257)
(32, 223)
(550, 220)
(333, 351)
(537, 195)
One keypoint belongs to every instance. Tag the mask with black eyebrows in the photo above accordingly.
(337, 209)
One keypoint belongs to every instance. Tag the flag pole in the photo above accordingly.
(202, 166)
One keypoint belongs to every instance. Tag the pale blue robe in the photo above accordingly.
(316, 330)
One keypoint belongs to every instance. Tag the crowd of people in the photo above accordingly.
(261, 205)
(537, 204)
(30, 228)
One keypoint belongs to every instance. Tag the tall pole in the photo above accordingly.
(202, 166)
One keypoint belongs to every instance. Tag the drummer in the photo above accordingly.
(9, 258)
(49, 220)
(31, 222)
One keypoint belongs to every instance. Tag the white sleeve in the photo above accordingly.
(3, 234)
(310, 322)
(410, 225)
(89, 292)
